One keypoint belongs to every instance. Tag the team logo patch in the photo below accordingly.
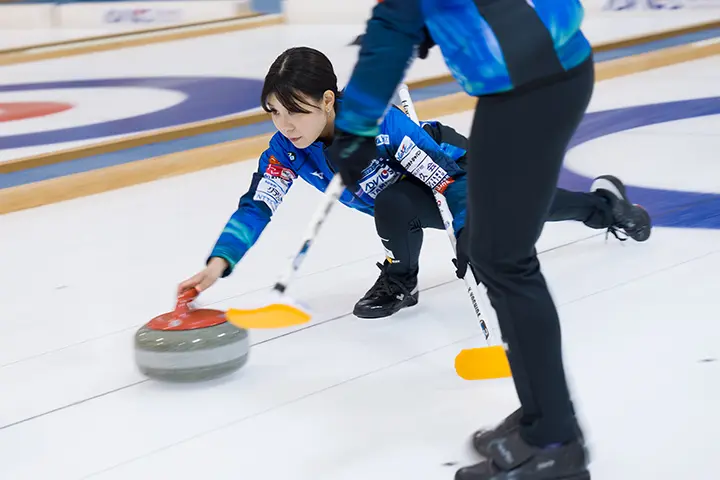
(377, 177)
(278, 171)
(405, 146)
(444, 184)
(390, 256)
(382, 140)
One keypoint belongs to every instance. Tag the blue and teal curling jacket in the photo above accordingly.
(403, 148)
(489, 46)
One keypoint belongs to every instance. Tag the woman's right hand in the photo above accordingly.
(206, 278)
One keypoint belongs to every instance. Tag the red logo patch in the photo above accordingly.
(278, 171)
(444, 185)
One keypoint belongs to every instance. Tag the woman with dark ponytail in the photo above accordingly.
(301, 95)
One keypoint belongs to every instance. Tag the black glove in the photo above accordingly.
(350, 155)
(462, 261)
(426, 45)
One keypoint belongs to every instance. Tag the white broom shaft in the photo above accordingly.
(491, 335)
(332, 193)
(409, 107)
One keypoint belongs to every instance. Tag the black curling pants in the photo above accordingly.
(517, 146)
(592, 209)
(402, 210)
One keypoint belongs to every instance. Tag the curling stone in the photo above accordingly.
(190, 345)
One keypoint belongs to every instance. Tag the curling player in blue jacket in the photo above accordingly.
(301, 94)
(531, 69)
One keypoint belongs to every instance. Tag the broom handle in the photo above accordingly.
(332, 193)
(491, 336)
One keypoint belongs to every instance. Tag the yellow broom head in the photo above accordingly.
(276, 315)
(278, 311)
(484, 363)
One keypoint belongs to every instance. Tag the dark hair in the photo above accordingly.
(299, 71)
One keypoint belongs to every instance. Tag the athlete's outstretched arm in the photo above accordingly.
(393, 31)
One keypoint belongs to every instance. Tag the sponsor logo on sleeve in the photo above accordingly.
(377, 177)
(404, 148)
(420, 165)
(281, 172)
(271, 191)
(382, 140)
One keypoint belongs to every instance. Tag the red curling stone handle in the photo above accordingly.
(183, 302)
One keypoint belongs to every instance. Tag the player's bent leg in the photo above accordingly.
(592, 209)
(605, 206)
(401, 212)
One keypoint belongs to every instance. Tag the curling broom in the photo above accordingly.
(285, 312)
(473, 363)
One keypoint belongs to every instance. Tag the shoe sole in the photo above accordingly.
(480, 447)
(370, 316)
(611, 184)
(585, 475)
(643, 234)
(576, 476)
